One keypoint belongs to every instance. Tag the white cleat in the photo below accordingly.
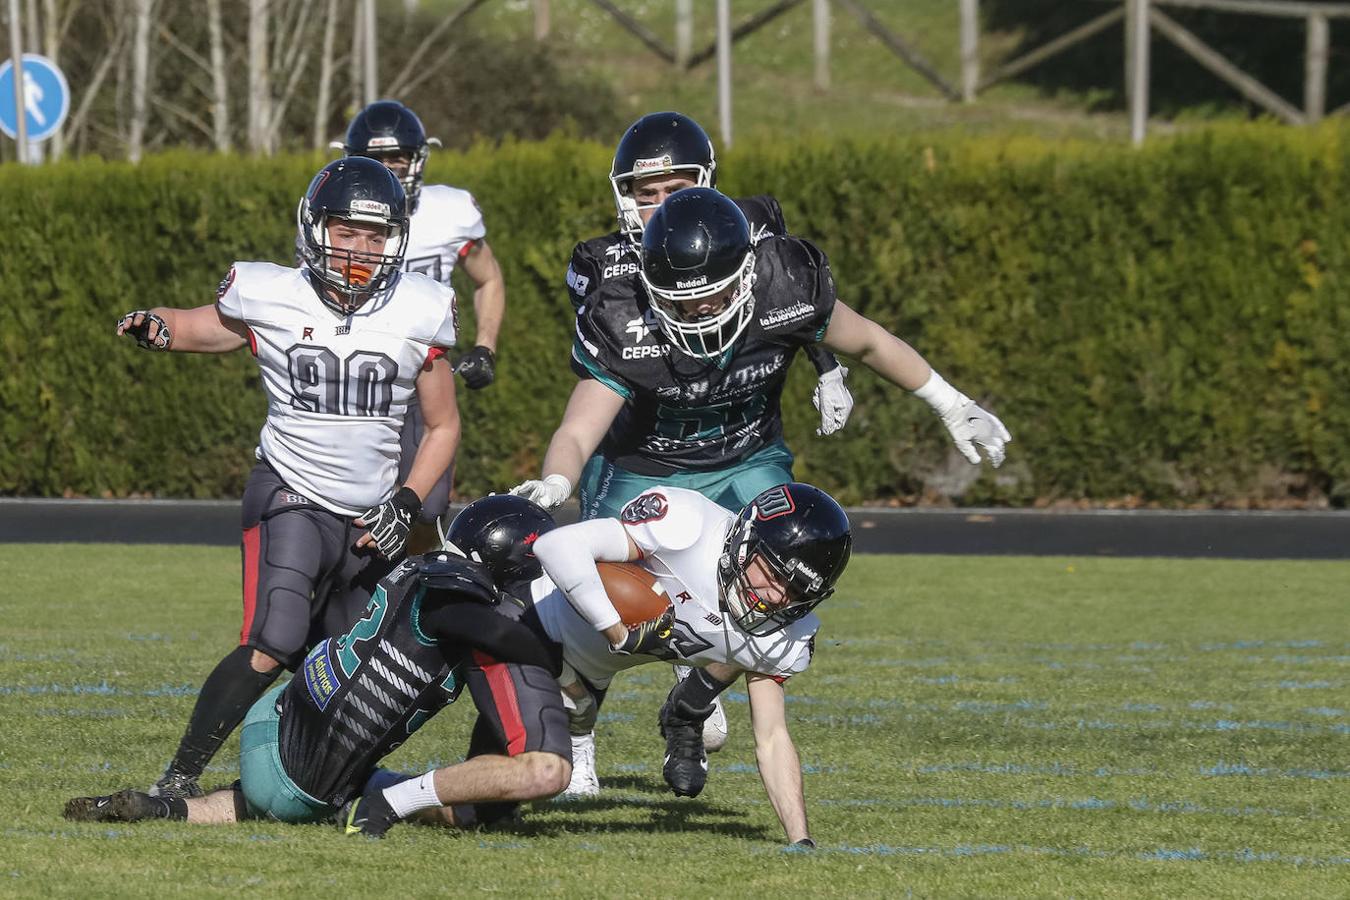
(715, 726)
(584, 782)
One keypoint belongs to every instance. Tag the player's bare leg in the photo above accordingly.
(223, 807)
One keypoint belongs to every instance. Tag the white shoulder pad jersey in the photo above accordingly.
(680, 533)
(337, 387)
(444, 229)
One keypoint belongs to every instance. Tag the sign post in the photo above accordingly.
(34, 100)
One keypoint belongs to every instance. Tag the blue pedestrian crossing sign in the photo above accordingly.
(46, 97)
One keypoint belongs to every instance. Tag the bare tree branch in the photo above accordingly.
(175, 42)
(183, 115)
(401, 84)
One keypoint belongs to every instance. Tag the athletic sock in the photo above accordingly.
(407, 797)
(231, 688)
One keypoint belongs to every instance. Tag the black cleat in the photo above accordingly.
(175, 785)
(686, 765)
(369, 814)
(124, 806)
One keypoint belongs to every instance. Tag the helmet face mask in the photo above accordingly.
(665, 143)
(385, 130)
(499, 531)
(699, 271)
(347, 199)
(792, 541)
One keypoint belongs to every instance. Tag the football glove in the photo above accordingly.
(549, 493)
(390, 522)
(650, 638)
(149, 330)
(476, 367)
(970, 424)
(833, 399)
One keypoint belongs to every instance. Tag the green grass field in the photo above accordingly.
(986, 727)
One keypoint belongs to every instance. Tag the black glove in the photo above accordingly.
(651, 638)
(390, 522)
(149, 330)
(476, 367)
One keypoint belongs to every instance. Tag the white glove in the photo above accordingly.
(832, 398)
(968, 422)
(549, 493)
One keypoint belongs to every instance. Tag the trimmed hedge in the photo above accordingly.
(1169, 324)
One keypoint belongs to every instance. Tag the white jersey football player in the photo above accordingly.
(445, 231)
(742, 589)
(345, 344)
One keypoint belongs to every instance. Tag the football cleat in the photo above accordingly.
(584, 782)
(175, 785)
(715, 729)
(686, 764)
(369, 814)
(124, 806)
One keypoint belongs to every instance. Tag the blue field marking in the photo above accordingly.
(1077, 804)
(102, 689)
(1307, 685)
(615, 717)
(1225, 769)
(1323, 711)
(1161, 854)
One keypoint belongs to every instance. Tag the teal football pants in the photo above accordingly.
(606, 488)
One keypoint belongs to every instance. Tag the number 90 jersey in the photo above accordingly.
(337, 387)
(680, 533)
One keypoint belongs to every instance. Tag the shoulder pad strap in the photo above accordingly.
(443, 572)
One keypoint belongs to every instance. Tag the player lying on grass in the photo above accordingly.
(435, 622)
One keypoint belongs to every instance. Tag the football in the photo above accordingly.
(635, 592)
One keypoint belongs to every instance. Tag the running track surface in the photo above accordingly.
(1231, 535)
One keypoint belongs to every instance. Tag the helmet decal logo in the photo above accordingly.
(372, 207)
(654, 164)
(773, 503)
(382, 141)
(225, 284)
(693, 282)
(316, 184)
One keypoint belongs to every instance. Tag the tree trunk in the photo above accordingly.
(220, 106)
(259, 86)
(325, 77)
(142, 12)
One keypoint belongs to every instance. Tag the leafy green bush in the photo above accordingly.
(1169, 325)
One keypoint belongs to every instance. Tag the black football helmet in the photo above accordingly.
(387, 128)
(354, 190)
(658, 144)
(499, 531)
(803, 536)
(698, 246)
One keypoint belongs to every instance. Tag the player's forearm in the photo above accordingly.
(894, 360)
(434, 454)
(568, 452)
(489, 308)
(568, 556)
(780, 770)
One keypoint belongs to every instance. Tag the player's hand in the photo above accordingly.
(149, 330)
(477, 367)
(549, 493)
(833, 399)
(973, 426)
(650, 638)
(390, 522)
